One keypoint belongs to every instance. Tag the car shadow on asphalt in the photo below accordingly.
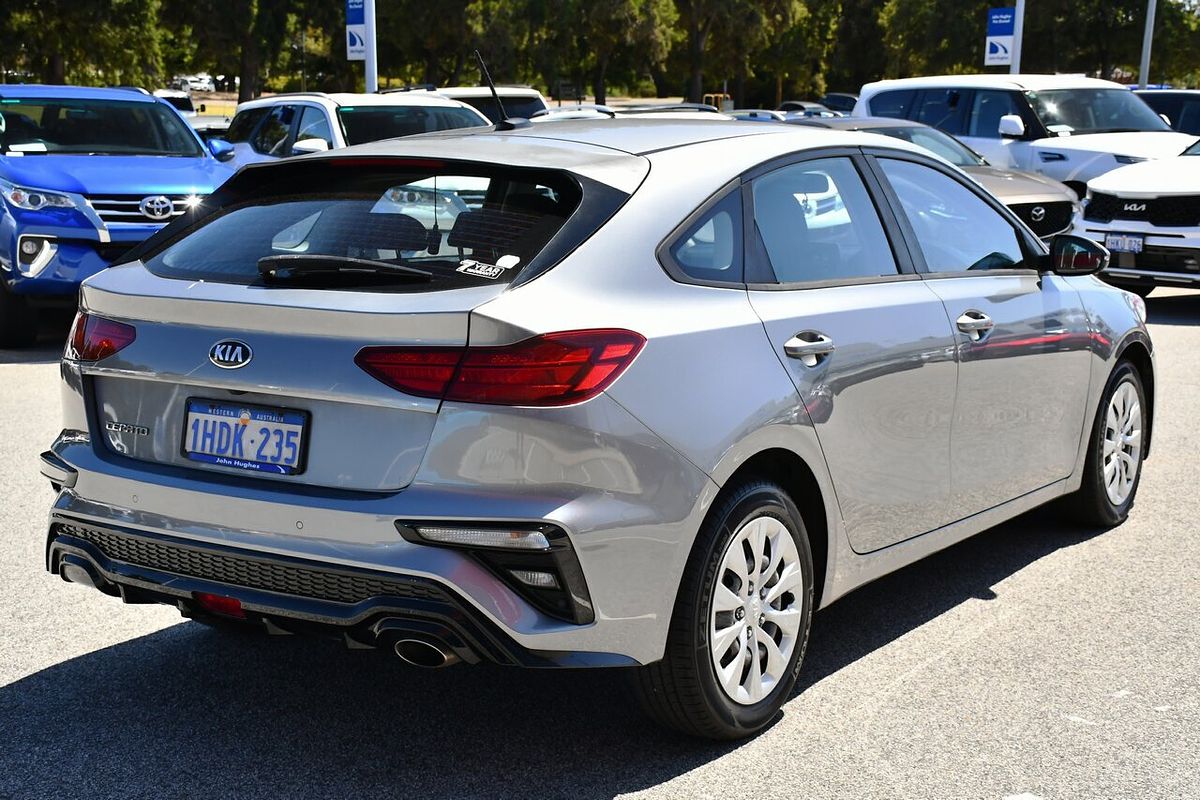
(52, 334)
(190, 711)
(1173, 309)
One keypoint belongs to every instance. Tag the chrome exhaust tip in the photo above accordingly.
(420, 653)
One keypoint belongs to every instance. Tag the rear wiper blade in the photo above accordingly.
(283, 268)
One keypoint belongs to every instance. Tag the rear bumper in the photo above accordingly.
(363, 608)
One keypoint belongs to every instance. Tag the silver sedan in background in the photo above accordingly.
(660, 392)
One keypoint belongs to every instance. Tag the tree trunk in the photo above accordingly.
(778, 90)
(697, 38)
(248, 71)
(56, 69)
(663, 87)
(599, 88)
(739, 87)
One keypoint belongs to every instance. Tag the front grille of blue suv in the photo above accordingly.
(85, 176)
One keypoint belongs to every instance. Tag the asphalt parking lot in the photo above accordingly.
(1033, 661)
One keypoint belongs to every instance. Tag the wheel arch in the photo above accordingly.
(1137, 353)
(797, 478)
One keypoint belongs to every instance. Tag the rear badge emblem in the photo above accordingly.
(230, 354)
(1038, 213)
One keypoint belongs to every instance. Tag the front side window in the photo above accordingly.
(403, 229)
(986, 110)
(272, 136)
(711, 248)
(314, 125)
(372, 123)
(817, 222)
(956, 230)
(62, 126)
(244, 123)
(1073, 111)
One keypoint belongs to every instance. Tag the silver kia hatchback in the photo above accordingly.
(604, 393)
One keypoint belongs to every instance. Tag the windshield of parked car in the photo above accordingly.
(516, 106)
(935, 141)
(411, 219)
(1072, 111)
(372, 123)
(60, 126)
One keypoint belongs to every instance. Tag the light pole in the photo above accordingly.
(1147, 40)
(369, 31)
(1014, 66)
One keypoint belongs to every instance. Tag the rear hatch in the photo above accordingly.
(238, 330)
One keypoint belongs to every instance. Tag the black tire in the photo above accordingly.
(1142, 290)
(18, 321)
(1090, 505)
(682, 691)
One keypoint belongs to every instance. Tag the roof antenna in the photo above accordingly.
(505, 123)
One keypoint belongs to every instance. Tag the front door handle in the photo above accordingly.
(810, 347)
(975, 324)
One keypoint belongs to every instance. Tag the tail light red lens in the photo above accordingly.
(94, 338)
(554, 369)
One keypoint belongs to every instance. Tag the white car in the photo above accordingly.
(294, 124)
(1148, 216)
(519, 101)
(1067, 127)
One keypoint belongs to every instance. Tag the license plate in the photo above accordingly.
(253, 438)
(1124, 242)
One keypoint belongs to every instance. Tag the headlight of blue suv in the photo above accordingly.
(34, 199)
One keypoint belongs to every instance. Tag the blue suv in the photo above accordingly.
(87, 174)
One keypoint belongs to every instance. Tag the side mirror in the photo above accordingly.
(308, 146)
(1076, 255)
(203, 108)
(1012, 126)
(221, 149)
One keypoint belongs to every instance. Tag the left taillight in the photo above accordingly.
(553, 369)
(93, 338)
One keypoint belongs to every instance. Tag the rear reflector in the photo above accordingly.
(553, 369)
(93, 338)
(218, 604)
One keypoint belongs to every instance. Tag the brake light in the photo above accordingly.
(554, 369)
(94, 338)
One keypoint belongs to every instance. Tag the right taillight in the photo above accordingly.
(553, 369)
(93, 338)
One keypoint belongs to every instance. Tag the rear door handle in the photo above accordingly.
(975, 324)
(810, 347)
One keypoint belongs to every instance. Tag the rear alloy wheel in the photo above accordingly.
(741, 619)
(18, 321)
(1113, 466)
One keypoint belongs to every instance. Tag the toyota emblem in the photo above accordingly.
(1037, 214)
(157, 207)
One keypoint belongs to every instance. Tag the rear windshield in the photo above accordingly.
(363, 124)
(181, 103)
(73, 126)
(465, 225)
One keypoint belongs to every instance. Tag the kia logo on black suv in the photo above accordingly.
(230, 354)
(1135, 206)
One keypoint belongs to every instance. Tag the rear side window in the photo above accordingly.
(520, 106)
(817, 222)
(895, 103)
(943, 109)
(383, 229)
(710, 249)
(244, 123)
